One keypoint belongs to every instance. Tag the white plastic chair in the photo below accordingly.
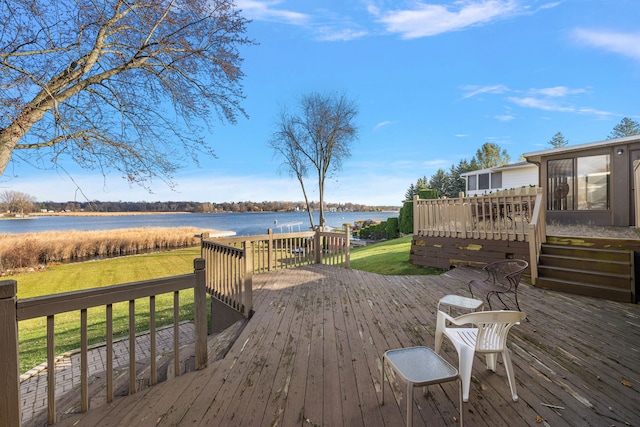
(488, 337)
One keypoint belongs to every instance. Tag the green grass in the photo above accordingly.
(92, 274)
(389, 258)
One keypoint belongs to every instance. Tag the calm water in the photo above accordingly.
(243, 224)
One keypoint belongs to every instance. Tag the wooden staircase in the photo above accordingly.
(598, 272)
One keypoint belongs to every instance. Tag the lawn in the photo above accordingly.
(390, 257)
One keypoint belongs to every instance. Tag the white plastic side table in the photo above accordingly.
(464, 303)
(419, 366)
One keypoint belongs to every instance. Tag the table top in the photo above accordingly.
(421, 366)
(460, 301)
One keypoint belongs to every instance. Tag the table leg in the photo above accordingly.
(409, 404)
(382, 382)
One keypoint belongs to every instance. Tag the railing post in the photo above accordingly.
(347, 240)
(9, 357)
(270, 250)
(416, 217)
(248, 278)
(200, 303)
(318, 246)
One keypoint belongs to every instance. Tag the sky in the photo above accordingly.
(433, 81)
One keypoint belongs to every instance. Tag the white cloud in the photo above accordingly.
(556, 91)
(626, 44)
(267, 11)
(430, 19)
(595, 112)
(472, 91)
(540, 104)
(382, 125)
(331, 34)
(505, 117)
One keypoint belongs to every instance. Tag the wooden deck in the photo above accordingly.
(311, 357)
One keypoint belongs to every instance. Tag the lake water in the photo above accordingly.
(243, 224)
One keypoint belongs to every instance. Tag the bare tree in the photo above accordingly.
(115, 84)
(16, 202)
(316, 137)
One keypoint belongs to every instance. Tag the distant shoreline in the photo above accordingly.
(102, 213)
(35, 214)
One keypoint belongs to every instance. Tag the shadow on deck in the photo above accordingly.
(311, 355)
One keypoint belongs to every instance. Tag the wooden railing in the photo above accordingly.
(13, 310)
(516, 215)
(229, 274)
(537, 235)
(232, 261)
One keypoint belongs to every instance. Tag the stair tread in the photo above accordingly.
(586, 259)
(619, 251)
(593, 272)
(582, 285)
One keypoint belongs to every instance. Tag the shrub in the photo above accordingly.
(428, 193)
(405, 218)
(392, 228)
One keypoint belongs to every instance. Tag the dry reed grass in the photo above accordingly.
(30, 250)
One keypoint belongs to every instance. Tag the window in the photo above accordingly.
(560, 177)
(579, 184)
(496, 180)
(472, 182)
(483, 181)
(593, 182)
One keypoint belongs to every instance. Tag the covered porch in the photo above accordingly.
(311, 356)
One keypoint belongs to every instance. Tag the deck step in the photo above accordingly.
(597, 272)
(568, 251)
(580, 288)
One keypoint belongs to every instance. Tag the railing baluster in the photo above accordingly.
(84, 368)
(109, 334)
(152, 335)
(132, 346)
(51, 371)
(176, 333)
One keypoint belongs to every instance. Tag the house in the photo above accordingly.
(485, 181)
(591, 183)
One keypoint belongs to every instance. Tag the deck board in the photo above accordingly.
(311, 355)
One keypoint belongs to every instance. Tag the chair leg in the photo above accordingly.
(488, 298)
(506, 307)
(516, 298)
(510, 374)
(460, 398)
(491, 359)
(465, 365)
(439, 334)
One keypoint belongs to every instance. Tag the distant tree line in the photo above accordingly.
(202, 207)
(16, 203)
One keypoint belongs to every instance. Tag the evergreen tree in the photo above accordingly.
(411, 191)
(558, 140)
(626, 127)
(441, 182)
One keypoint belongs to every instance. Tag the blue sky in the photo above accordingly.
(433, 80)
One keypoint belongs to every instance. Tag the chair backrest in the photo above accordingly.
(506, 272)
(493, 327)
